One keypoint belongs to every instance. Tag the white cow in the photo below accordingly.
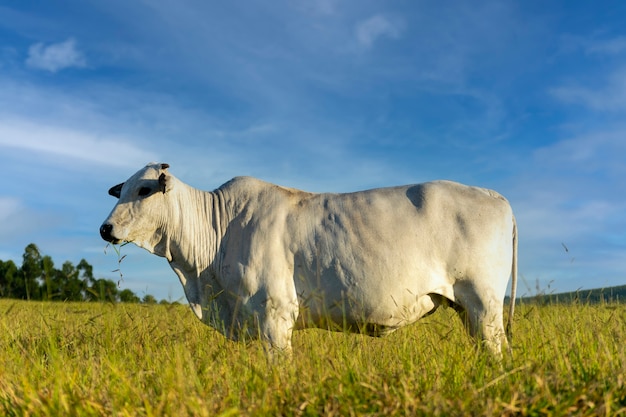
(261, 260)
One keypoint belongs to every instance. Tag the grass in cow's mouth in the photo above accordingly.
(117, 248)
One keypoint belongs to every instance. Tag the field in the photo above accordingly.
(135, 360)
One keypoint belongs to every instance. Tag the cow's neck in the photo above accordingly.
(193, 239)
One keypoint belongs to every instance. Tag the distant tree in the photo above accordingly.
(149, 299)
(127, 296)
(103, 290)
(48, 272)
(70, 286)
(38, 279)
(86, 272)
(31, 272)
(9, 274)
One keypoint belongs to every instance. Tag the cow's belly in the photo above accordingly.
(355, 311)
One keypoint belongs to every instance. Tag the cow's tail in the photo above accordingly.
(509, 323)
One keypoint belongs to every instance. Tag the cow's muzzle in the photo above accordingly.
(106, 231)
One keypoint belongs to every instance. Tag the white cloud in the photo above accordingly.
(370, 30)
(56, 56)
(611, 97)
(598, 151)
(571, 192)
(614, 46)
(8, 206)
(318, 7)
(17, 219)
(75, 144)
(592, 45)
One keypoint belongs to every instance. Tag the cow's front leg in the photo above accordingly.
(276, 331)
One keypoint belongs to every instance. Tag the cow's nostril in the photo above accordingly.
(105, 232)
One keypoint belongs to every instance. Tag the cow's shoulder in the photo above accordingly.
(251, 185)
(262, 196)
(242, 183)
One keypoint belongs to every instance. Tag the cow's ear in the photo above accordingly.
(163, 180)
(116, 191)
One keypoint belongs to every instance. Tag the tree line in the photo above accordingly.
(39, 279)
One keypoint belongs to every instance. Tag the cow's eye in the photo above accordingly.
(144, 191)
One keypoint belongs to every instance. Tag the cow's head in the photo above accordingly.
(139, 215)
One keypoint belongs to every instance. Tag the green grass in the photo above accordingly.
(135, 360)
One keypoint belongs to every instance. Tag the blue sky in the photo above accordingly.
(527, 98)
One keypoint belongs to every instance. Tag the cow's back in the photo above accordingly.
(374, 253)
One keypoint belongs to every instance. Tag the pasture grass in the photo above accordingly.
(84, 359)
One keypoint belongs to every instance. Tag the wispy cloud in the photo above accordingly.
(16, 218)
(370, 30)
(613, 46)
(67, 143)
(592, 44)
(599, 151)
(8, 206)
(608, 97)
(56, 56)
(600, 85)
(318, 7)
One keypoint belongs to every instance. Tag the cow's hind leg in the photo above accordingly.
(482, 317)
